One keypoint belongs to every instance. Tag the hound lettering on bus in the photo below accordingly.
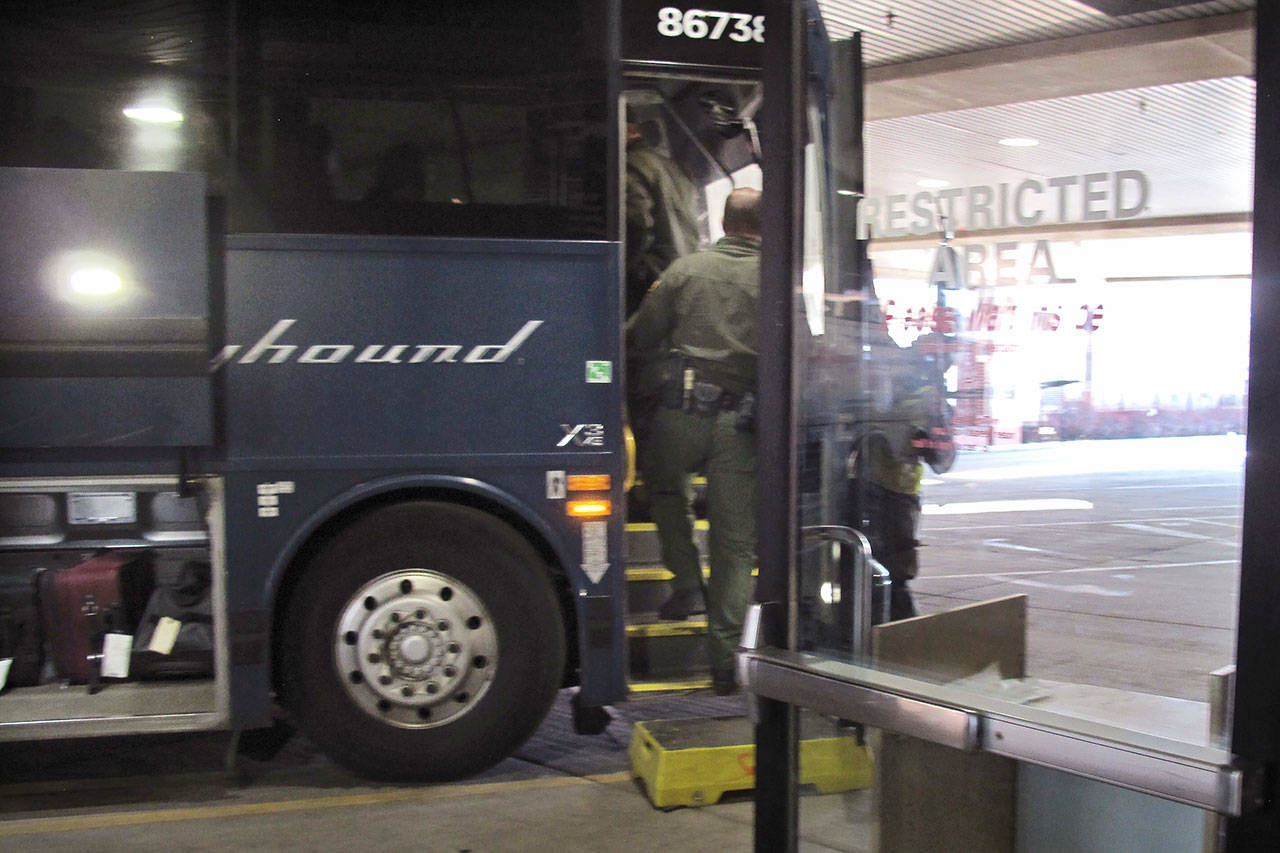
(278, 353)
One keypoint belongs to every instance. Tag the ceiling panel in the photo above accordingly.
(1166, 93)
(1192, 141)
(895, 31)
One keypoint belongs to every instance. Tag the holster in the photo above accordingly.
(673, 382)
(706, 399)
(746, 411)
(683, 390)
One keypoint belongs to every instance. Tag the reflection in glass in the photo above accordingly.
(1022, 374)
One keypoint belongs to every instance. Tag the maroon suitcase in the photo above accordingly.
(80, 604)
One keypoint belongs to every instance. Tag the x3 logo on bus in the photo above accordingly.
(582, 435)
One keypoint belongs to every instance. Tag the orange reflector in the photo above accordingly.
(590, 482)
(589, 509)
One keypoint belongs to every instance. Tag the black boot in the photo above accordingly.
(724, 681)
(900, 604)
(680, 604)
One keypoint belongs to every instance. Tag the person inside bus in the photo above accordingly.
(393, 204)
(662, 220)
(700, 317)
(662, 225)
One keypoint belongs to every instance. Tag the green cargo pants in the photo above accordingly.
(680, 445)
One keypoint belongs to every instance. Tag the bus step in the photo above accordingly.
(638, 500)
(649, 585)
(642, 689)
(696, 761)
(667, 650)
(642, 542)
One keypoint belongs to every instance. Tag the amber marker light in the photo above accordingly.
(589, 509)
(589, 482)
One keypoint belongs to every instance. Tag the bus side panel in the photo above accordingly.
(357, 363)
(392, 347)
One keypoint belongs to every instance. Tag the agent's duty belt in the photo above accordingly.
(686, 391)
(708, 398)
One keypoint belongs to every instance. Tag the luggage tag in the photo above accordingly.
(116, 650)
(165, 635)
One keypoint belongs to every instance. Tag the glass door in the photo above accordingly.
(1011, 436)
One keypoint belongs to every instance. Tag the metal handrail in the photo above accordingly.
(864, 574)
(1202, 776)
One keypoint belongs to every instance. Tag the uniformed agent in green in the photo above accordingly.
(662, 216)
(662, 225)
(703, 312)
(887, 467)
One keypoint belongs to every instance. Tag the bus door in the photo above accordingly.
(689, 92)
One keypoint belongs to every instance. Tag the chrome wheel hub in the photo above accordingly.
(415, 648)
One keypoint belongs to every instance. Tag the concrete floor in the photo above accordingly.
(561, 792)
(562, 813)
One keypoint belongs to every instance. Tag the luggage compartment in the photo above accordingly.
(82, 558)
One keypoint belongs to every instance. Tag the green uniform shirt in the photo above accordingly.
(894, 459)
(705, 308)
(662, 217)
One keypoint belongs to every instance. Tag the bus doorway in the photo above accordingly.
(686, 143)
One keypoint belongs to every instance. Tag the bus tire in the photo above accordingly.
(424, 642)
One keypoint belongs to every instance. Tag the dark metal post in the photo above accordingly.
(1256, 731)
(782, 126)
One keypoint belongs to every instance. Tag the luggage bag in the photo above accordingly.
(80, 604)
(184, 597)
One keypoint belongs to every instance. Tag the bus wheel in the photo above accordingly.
(424, 642)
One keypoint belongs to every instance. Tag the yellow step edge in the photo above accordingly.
(670, 686)
(650, 527)
(658, 573)
(687, 628)
(697, 480)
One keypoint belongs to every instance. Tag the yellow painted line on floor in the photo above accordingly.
(80, 823)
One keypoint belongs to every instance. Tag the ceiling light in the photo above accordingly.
(94, 281)
(88, 279)
(1020, 142)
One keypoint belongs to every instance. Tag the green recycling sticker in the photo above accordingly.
(600, 371)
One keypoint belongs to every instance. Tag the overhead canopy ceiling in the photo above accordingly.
(1157, 86)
